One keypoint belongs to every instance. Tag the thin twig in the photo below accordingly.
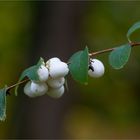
(19, 83)
(102, 51)
(132, 44)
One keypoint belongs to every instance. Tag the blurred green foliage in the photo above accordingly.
(106, 107)
(15, 23)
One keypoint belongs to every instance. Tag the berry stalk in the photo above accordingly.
(19, 83)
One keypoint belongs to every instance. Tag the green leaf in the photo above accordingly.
(3, 103)
(78, 65)
(119, 56)
(132, 29)
(31, 73)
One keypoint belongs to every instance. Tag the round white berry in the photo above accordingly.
(58, 69)
(56, 83)
(97, 68)
(39, 88)
(52, 60)
(56, 92)
(43, 73)
(27, 90)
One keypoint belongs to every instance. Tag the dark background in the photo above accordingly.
(108, 107)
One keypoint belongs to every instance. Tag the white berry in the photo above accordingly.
(52, 60)
(27, 89)
(56, 92)
(43, 73)
(58, 69)
(56, 83)
(39, 88)
(32, 89)
(97, 68)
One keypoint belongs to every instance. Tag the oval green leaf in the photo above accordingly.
(78, 65)
(119, 56)
(132, 29)
(3, 103)
(31, 73)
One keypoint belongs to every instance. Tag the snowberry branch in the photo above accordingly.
(49, 78)
(132, 44)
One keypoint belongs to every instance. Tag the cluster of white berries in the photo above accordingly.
(51, 79)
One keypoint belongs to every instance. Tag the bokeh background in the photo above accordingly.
(108, 107)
